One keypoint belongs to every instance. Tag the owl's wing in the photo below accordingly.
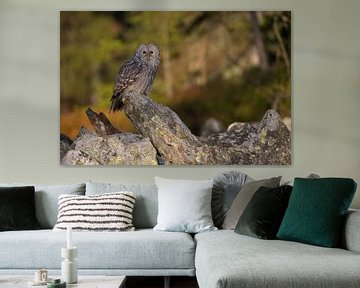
(128, 74)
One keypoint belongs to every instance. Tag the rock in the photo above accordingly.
(116, 149)
(274, 140)
(287, 122)
(65, 139)
(211, 126)
(64, 148)
(66, 144)
(77, 157)
(163, 139)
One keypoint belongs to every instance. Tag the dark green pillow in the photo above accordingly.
(17, 208)
(263, 214)
(316, 211)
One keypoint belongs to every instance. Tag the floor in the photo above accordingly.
(131, 282)
(158, 282)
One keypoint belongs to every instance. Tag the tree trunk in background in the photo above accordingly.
(166, 58)
(204, 60)
(167, 73)
(282, 46)
(259, 42)
(95, 79)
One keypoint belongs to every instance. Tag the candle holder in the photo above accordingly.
(68, 265)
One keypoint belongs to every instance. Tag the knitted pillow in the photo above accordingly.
(317, 210)
(105, 212)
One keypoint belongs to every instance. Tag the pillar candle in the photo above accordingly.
(69, 237)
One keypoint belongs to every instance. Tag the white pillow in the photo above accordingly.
(104, 212)
(184, 205)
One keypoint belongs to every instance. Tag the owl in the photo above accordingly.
(136, 75)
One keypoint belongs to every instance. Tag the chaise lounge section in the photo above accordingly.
(225, 259)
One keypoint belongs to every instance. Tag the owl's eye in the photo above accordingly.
(144, 52)
(151, 52)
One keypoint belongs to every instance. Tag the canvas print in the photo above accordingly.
(175, 88)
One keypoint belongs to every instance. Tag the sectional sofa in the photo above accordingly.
(218, 259)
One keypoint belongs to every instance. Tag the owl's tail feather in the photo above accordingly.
(116, 103)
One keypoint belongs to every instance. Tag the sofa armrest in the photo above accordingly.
(351, 234)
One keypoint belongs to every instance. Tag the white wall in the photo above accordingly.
(326, 90)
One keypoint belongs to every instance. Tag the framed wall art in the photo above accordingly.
(175, 88)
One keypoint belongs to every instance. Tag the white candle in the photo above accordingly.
(69, 239)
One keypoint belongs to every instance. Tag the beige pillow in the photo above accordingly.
(243, 198)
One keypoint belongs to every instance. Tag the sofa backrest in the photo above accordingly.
(351, 237)
(146, 203)
(46, 200)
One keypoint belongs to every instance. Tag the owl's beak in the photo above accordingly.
(148, 57)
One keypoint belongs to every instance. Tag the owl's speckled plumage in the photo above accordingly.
(136, 75)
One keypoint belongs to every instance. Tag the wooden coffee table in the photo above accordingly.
(84, 281)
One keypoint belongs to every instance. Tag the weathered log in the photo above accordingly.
(164, 139)
(268, 145)
(102, 125)
(171, 137)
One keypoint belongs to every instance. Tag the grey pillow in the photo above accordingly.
(184, 205)
(226, 187)
(146, 206)
(46, 200)
(310, 176)
(243, 198)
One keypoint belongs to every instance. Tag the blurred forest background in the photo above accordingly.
(230, 66)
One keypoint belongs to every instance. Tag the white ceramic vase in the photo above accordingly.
(69, 271)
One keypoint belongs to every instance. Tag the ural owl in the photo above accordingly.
(136, 75)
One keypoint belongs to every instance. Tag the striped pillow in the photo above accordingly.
(105, 212)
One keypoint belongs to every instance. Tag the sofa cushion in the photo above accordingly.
(243, 198)
(146, 205)
(317, 209)
(225, 259)
(17, 208)
(142, 249)
(46, 200)
(105, 212)
(225, 189)
(184, 205)
(263, 215)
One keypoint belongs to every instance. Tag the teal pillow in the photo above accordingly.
(316, 211)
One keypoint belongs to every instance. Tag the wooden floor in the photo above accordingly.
(158, 282)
